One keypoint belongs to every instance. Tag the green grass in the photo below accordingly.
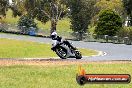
(24, 49)
(88, 52)
(22, 76)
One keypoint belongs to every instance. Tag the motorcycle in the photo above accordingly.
(64, 51)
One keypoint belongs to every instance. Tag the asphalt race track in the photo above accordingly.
(110, 51)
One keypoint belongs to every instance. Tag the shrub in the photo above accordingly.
(109, 23)
(25, 23)
(125, 32)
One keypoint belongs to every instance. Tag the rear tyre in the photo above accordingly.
(78, 55)
(61, 52)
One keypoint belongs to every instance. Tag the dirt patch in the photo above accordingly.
(55, 62)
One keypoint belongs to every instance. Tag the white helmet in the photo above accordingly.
(53, 35)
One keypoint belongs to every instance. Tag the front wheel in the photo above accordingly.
(61, 52)
(78, 55)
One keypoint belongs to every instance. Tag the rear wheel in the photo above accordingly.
(61, 52)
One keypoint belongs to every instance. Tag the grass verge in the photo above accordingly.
(25, 76)
(23, 49)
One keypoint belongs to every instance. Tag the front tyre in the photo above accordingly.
(78, 55)
(61, 52)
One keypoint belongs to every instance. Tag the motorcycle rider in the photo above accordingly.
(57, 40)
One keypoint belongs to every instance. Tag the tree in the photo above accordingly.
(128, 7)
(109, 23)
(45, 10)
(115, 5)
(81, 12)
(3, 7)
(25, 23)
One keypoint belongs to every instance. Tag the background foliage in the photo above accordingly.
(27, 22)
(109, 23)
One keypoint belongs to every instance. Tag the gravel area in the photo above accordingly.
(54, 62)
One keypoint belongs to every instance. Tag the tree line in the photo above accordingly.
(82, 13)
